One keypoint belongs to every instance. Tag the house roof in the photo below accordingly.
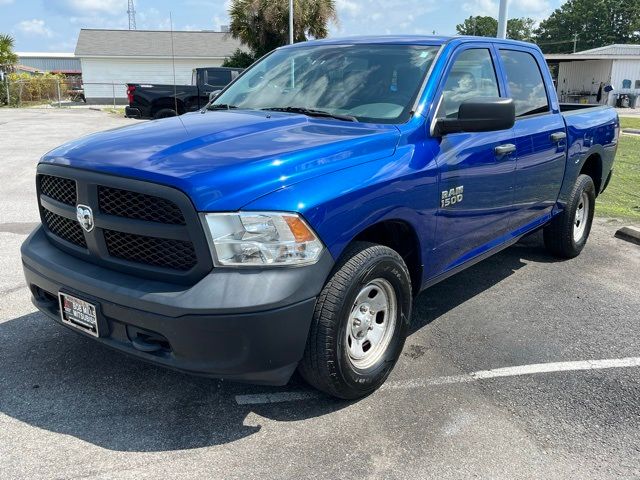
(154, 43)
(615, 49)
(45, 54)
(609, 52)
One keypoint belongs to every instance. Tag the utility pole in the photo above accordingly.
(575, 42)
(131, 11)
(290, 21)
(502, 19)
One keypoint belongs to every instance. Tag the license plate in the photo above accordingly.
(78, 313)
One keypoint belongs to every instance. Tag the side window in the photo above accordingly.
(525, 82)
(472, 75)
(217, 78)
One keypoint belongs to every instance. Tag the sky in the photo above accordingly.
(53, 25)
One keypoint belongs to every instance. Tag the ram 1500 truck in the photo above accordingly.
(161, 101)
(292, 222)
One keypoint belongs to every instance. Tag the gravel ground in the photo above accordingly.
(70, 408)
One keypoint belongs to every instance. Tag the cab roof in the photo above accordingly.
(405, 40)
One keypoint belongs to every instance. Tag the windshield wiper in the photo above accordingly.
(220, 106)
(312, 113)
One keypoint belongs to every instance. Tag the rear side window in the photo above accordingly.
(472, 75)
(218, 77)
(525, 82)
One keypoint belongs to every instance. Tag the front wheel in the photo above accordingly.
(360, 323)
(566, 235)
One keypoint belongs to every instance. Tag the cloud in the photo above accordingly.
(487, 8)
(537, 9)
(6, 2)
(34, 27)
(357, 17)
(87, 8)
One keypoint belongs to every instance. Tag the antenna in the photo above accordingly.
(131, 11)
(173, 63)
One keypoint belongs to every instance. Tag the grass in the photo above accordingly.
(621, 199)
(116, 111)
(630, 122)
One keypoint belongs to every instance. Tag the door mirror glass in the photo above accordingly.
(479, 115)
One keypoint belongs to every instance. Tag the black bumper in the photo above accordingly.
(132, 112)
(248, 325)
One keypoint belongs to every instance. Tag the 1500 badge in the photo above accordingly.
(452, 196)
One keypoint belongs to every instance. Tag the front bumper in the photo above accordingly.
(242, 324)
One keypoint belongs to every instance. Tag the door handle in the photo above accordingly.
(505, 149)
(558, 136)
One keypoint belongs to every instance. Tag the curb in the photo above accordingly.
(629, 234)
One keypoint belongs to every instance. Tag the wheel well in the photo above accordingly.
(593, 167)
(167, 103)
(401, 237)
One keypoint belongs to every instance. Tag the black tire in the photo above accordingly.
(559, 233)
(164, 113)
(326, 363)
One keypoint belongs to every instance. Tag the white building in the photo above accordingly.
(112, 58)
(580, 74)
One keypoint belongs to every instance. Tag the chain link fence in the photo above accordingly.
(39, 91)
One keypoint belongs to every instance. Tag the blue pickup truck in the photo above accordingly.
(291, 223)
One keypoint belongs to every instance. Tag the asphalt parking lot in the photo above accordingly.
(520, 367)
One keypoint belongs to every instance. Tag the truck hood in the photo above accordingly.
(226, 159)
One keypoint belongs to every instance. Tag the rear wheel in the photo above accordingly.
(566, 235)
(165, 113)
(360, 323)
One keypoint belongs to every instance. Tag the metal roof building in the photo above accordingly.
(112, 58)
(66, 63)
(580, 74)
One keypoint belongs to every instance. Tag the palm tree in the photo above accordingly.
(263, 25)
(7, 57)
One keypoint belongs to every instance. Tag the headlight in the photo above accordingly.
(262, 238)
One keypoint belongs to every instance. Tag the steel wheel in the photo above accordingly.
(371, 323)
(581, 216)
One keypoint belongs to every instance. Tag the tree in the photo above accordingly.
(592, 23)
(7, 57)
(482, 26)
(263, 25)
(239, 59)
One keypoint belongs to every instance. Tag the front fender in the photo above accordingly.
(341, 204)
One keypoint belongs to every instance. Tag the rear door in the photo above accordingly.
(476, 182)
(540, 137)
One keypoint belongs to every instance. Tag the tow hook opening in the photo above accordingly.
(147, 341)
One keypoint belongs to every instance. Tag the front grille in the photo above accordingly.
(58, 188)
(161, 252)
(65, 228)
(140, 228)
(128, 204)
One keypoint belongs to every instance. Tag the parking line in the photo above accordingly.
(277, 397)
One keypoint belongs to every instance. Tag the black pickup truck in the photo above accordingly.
(157, 101)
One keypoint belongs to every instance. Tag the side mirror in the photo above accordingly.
(479, 115)
(214, 94)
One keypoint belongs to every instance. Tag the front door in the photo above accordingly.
(476, 169)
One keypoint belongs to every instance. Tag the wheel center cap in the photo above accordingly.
(361, 323)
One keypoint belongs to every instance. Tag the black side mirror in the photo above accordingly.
(479, 115)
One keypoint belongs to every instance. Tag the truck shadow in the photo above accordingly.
(448, 294)
(56, 380)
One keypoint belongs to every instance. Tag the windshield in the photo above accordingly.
(371, 83)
